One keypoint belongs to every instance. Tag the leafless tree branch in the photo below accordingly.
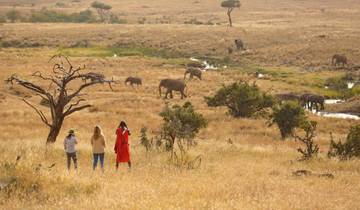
(39, 112)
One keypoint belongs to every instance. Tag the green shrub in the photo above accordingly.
(13, 15)
(349, 149)
(340, 85)
(241, 99)
(287, 117)
(48, 16)
(102, 9)
(85, 16)
(336, 83)
(115, 19)
(60, 4)
(144, 140)
(311, 148)
(2, 19)
(181, 123)
(193, 21)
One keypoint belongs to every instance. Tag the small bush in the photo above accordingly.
(193, 21)
(311, 148)
(142, 20)
(13, 16)
(85, 16)
(2, 19)
(116, 20)
(340, 85)
(81, 44)
(287, 117)
(60, 4)
(336, 83)
(241, 98)
(144, 140)
(48, 16)
(181, 123)
(349, 149)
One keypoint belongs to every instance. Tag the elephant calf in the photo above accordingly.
(172, 85)
(133, 80)
(193, 72)
(339, 59)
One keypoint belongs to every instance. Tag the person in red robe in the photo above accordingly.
(122, 145)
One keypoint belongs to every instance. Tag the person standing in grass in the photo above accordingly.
(122, 145)
(69, 147)
(98, 146)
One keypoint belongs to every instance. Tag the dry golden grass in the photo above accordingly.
(253, 173)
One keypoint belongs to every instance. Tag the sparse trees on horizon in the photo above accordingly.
(230, 5)
(102, 9)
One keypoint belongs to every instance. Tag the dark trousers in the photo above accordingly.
(73, 157)
(98, 157)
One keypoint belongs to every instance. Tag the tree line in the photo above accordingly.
(102, 15)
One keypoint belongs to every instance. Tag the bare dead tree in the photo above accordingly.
(62, 100)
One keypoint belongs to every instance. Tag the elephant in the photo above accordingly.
(310, 101)
(239, 44)
(339, 59)
(316, 100)
(133, 80)
(193, 72)
(304, 100)
(172, 85)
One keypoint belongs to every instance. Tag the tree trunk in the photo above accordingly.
(54, 131)
(229, 15)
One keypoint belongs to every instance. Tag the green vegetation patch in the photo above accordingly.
(119, 51)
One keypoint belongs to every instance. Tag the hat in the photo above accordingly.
(71, 131)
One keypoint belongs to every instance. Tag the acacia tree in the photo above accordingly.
(230, 5)
(102, 9)
(61, 99)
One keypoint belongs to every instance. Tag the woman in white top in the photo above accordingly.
(69, 147)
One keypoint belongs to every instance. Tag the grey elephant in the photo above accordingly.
(315, 101)
(311, 101)
(172, 85)
(133, 80)
(339, 59)
(193, 72)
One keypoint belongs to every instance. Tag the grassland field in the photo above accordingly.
(290, 41)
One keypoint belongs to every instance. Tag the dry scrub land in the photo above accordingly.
(255, 172)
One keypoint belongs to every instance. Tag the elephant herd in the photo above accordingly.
(307, 100)
(193, 68)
